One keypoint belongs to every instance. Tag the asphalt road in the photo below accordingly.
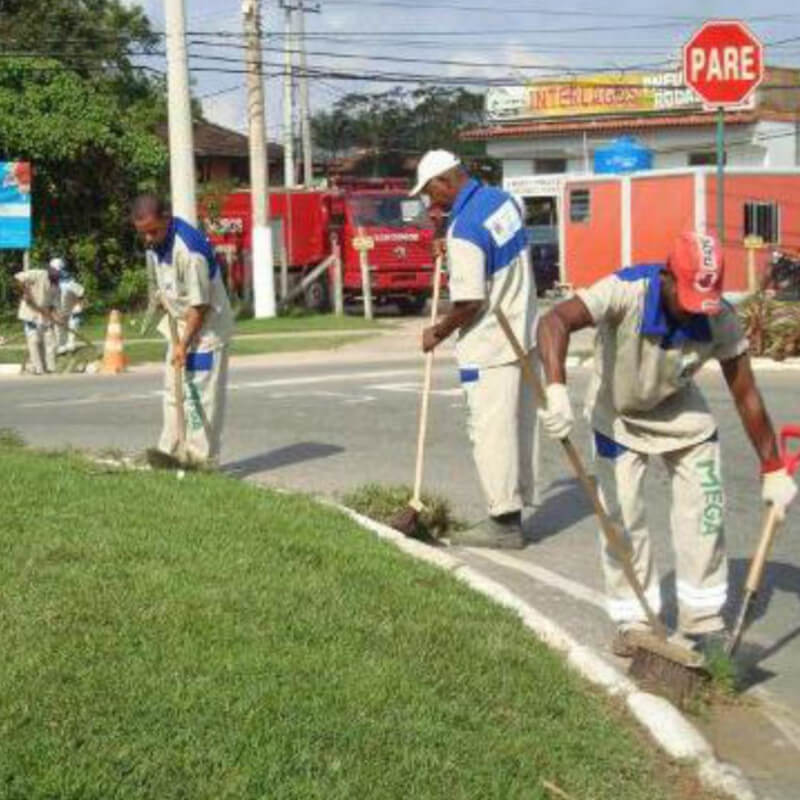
(327, 427)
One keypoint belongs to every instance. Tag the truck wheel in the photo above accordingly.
(316, 296)
(412, 305)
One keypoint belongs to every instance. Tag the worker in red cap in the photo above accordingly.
(657, 325)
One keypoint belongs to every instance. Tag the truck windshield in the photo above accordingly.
(388, 211)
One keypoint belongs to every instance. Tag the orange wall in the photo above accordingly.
(593, 247)
(740, 189)
(660, 209)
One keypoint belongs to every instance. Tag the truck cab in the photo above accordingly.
(401, 233)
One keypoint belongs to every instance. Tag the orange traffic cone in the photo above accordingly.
(114, 359)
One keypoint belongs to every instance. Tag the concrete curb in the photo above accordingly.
(670, 729)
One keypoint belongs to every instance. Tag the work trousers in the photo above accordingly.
(41, 340)
(696, 522)
(501, 422)
(204, 395)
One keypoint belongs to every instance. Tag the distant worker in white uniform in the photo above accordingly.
(489, 268)
(657, 325)
(71, 305)
(190, 289)
(40, 299)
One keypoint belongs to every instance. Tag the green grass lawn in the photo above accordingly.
(294, 322)
(145, 352)
(206, 639)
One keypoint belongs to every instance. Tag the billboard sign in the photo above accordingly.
(592, 95)
(15, 205)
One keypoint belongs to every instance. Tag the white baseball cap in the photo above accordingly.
(57, 264)
(431, 165)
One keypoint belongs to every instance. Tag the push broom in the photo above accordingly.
(155, 457)
(656, 659)
(406, 520)
(769, 529)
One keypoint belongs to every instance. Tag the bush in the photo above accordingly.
(131, 291)
(772, 326)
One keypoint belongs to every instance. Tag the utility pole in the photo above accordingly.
(262, 259)
(305, 110)
(288, 70)
(181, 140)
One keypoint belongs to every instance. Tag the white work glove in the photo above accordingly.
(557, 418)
(778, 489)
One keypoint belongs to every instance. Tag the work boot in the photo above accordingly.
(504, 532)
(624, 642)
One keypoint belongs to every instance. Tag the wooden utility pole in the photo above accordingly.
(263, 262)
(305, 107)
(288, 116)
(181, 140)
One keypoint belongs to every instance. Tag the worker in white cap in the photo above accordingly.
(39, 303)
(657, 325)
(489, 268)
(71, 305)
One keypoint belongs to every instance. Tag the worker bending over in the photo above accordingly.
(657, 325)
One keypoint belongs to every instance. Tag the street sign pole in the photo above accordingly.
(721, 175)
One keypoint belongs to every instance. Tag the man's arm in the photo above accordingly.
(461, 315)
(778, 489)
(553, 335)
(752, 411)
(194, 321)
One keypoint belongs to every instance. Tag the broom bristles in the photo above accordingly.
(678, 682)
(405, 521)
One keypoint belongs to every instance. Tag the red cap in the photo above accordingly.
(696, 264)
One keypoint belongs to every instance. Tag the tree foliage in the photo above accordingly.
(398, 125)
(84, 116)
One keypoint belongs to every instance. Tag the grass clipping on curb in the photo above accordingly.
(207, 639)
(382, 502)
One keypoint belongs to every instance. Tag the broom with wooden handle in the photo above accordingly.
(406, 520)
(768, 531)
(656, 658)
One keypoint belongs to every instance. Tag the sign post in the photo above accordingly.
(723, 62)
(721, 174)
(364, 244)
(751, 244)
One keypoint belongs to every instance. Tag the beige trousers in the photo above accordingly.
(204, 396)
(501, 422)
(41, 340)
(698, 539)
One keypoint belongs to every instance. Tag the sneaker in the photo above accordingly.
(503, 532)
(624, 642)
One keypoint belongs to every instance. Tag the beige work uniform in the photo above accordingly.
(188, 275)
(644, 402)
(488, 260)
(72, 296)
(39, 330)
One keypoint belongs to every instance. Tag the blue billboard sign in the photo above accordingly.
(623, 155)
(15, 205)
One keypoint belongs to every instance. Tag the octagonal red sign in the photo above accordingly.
(723, 62)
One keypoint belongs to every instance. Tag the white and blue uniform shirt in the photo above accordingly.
(488, 259)
(643, 395)
(188, 275)
(72, 294)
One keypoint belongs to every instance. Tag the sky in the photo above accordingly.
(490, 40)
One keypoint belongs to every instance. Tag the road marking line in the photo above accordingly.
(414, 388)
(235, 387)
(546, 576)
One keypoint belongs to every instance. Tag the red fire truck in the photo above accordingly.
(313, 220)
